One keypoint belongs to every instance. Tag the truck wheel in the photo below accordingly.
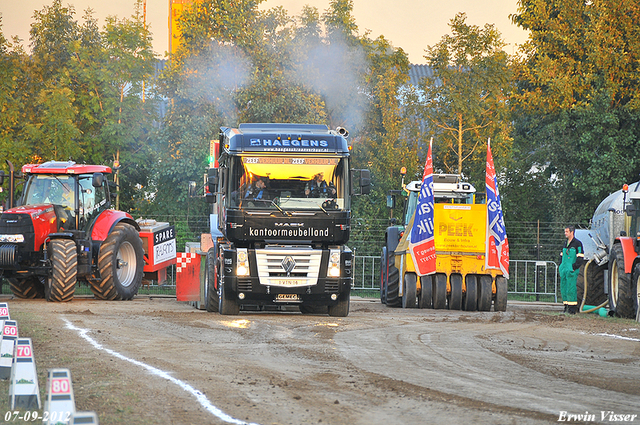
(595, 284)
(470, 301)
(342, 308)
(64, 270)
(27, 288)
(440, 291)
(484, 293)
(621, 299)
(227, 304)
(426, 290)
(120, 262)
(211, 276)
(455, 298)
(409, 291)
(500, 303)
(313, 309)
(393, 300)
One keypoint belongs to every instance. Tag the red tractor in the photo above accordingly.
(63, 232)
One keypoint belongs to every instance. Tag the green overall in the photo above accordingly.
(568, 276)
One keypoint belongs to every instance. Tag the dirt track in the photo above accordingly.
(377, 366)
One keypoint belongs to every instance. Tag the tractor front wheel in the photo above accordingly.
(64, 270)
(120, 262)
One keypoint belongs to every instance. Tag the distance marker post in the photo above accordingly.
(4, 311)
(23, 389)
(9, 337)
(59, 405)
(84, 418)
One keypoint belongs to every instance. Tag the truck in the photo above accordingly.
(281, 218)
(611, 274)
(461, 281)
(62, 231)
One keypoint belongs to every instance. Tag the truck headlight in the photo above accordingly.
(12, 238)
(242, 262)
(334, 263)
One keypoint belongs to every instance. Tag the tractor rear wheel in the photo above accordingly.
(27, 288)
(426, 290)
(120, 263)
(440, 291)
(500, 303)
(484, 293)
(621, 297)
(211, 280)
(64, 270)
(455, 298)
(470, 302)
(594, 275)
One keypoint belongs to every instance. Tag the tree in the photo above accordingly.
(465, 102)
(578, 98)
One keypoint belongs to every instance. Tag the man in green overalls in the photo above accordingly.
(571, 259)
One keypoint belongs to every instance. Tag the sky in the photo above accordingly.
(410, 24)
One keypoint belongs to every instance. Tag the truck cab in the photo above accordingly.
(283, 202)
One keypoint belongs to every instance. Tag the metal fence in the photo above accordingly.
(532, 280)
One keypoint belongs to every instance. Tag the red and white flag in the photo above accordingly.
(497, 244)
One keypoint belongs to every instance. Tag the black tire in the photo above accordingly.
(595, 284)
(455, 297)
(384, 260)
(227, 304)
(211, 280)
(393, 287)
(61, 284)
(485, 292)
(621, 299)
(500, 302)
(313, 309)
(409, 296)
(425, 293)
(120, 262)
(341, 309)
(470, 299)
(27, 288)
(440, 291)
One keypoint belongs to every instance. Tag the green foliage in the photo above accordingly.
(465, 102)
(578, 99)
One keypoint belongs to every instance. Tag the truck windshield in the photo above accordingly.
(49, 189)
(289, 182)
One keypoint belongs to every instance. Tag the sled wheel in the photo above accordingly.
(500, 303)
(424, 296)
(484, 293)
(470, 301)
(393, 300)
(440, 291)
(455, 298)
(409, 292)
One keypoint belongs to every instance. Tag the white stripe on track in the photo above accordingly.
(202, 399)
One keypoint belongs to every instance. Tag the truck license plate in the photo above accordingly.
(288, 282)
(287, 297)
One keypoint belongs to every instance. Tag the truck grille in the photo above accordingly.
(288, 267)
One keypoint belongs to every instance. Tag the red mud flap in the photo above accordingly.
(188, 276)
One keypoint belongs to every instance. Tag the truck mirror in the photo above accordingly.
(365, 182)
(391, 202)
(631, 210)
(97, 180)
(192, 189)
(212, 180)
